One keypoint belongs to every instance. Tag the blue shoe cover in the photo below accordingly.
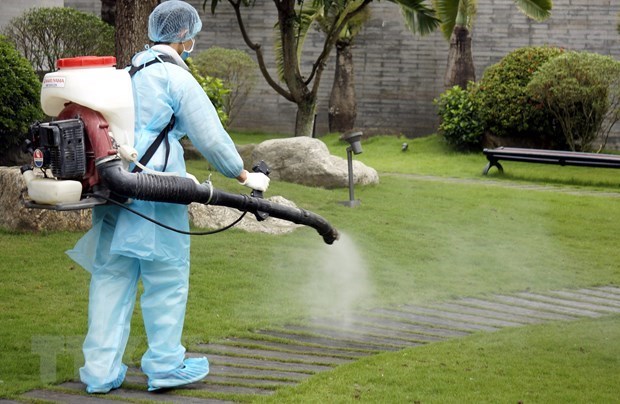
(115, 384)
(193, 370)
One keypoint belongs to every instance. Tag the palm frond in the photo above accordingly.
(419, 18)
(455, 12)
(539, 10)
(324, 4)
(471, 7)
(355, 24)
(339, 10)
(446, 11)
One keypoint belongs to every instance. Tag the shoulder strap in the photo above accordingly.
(163, 135)
(162, 58)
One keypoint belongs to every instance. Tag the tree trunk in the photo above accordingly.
(131, 28)
(342, 101)
(108, 11)
(304, 122)
(460, 60)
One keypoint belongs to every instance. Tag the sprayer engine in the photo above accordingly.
(60, 147)
(66, 151)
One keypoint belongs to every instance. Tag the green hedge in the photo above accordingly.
(20, 91)
(504, 104)
(237, 71)
(460, 125)
(500, 107)
(44, 35)
(582, 91)
(214, 88)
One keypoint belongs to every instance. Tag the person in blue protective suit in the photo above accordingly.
(122, 248)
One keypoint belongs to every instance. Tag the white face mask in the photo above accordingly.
(186, 52)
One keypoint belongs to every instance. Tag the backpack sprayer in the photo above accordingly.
(85, 153)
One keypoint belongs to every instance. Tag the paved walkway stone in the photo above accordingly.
(292, 347)
(428, 332)
(263, 363)
(584, 297)
(506, 308)
(55, 396)
(611, 289)
(272, 358)
(574, 302)
(463, 317)
(327, 342)
(546, 306)
(270, 354)
(599, 293)
(377, 341)
(432, 320)
(128, 394)
(265, 374)
(459, 308)
(378, 329)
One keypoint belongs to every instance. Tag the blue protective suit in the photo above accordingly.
(122, 248)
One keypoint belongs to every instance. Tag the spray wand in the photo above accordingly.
(150, 187)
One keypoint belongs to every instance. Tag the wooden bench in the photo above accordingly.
(563, 158)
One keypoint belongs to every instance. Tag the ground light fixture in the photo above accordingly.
(354, 140)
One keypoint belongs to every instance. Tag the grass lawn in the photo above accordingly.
(413, 240)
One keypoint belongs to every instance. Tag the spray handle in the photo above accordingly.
(261, 167)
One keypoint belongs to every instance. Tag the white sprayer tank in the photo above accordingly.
(94, 82)
(48, 191)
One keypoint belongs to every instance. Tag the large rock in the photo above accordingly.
(15, 216)
(307, 161)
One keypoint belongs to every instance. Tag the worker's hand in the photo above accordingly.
(257, 181)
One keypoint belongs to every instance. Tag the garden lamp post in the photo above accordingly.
(355, 147)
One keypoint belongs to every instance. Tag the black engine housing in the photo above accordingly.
(62, 148)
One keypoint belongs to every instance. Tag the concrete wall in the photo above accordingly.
(398, 74)
(86, 6)
(10, 9)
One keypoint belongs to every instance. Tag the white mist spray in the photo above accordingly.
(339, 283)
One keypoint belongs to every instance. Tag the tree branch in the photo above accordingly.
(330, 40)
(259, 53)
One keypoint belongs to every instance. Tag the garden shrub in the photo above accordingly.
(214, 88)
(44, 35)
(582, 91)
(460, 125)
(236, 69)
(505, 105)
(20, 91)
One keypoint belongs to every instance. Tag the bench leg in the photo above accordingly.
(490, 164)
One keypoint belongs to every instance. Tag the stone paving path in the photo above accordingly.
(284, 356)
